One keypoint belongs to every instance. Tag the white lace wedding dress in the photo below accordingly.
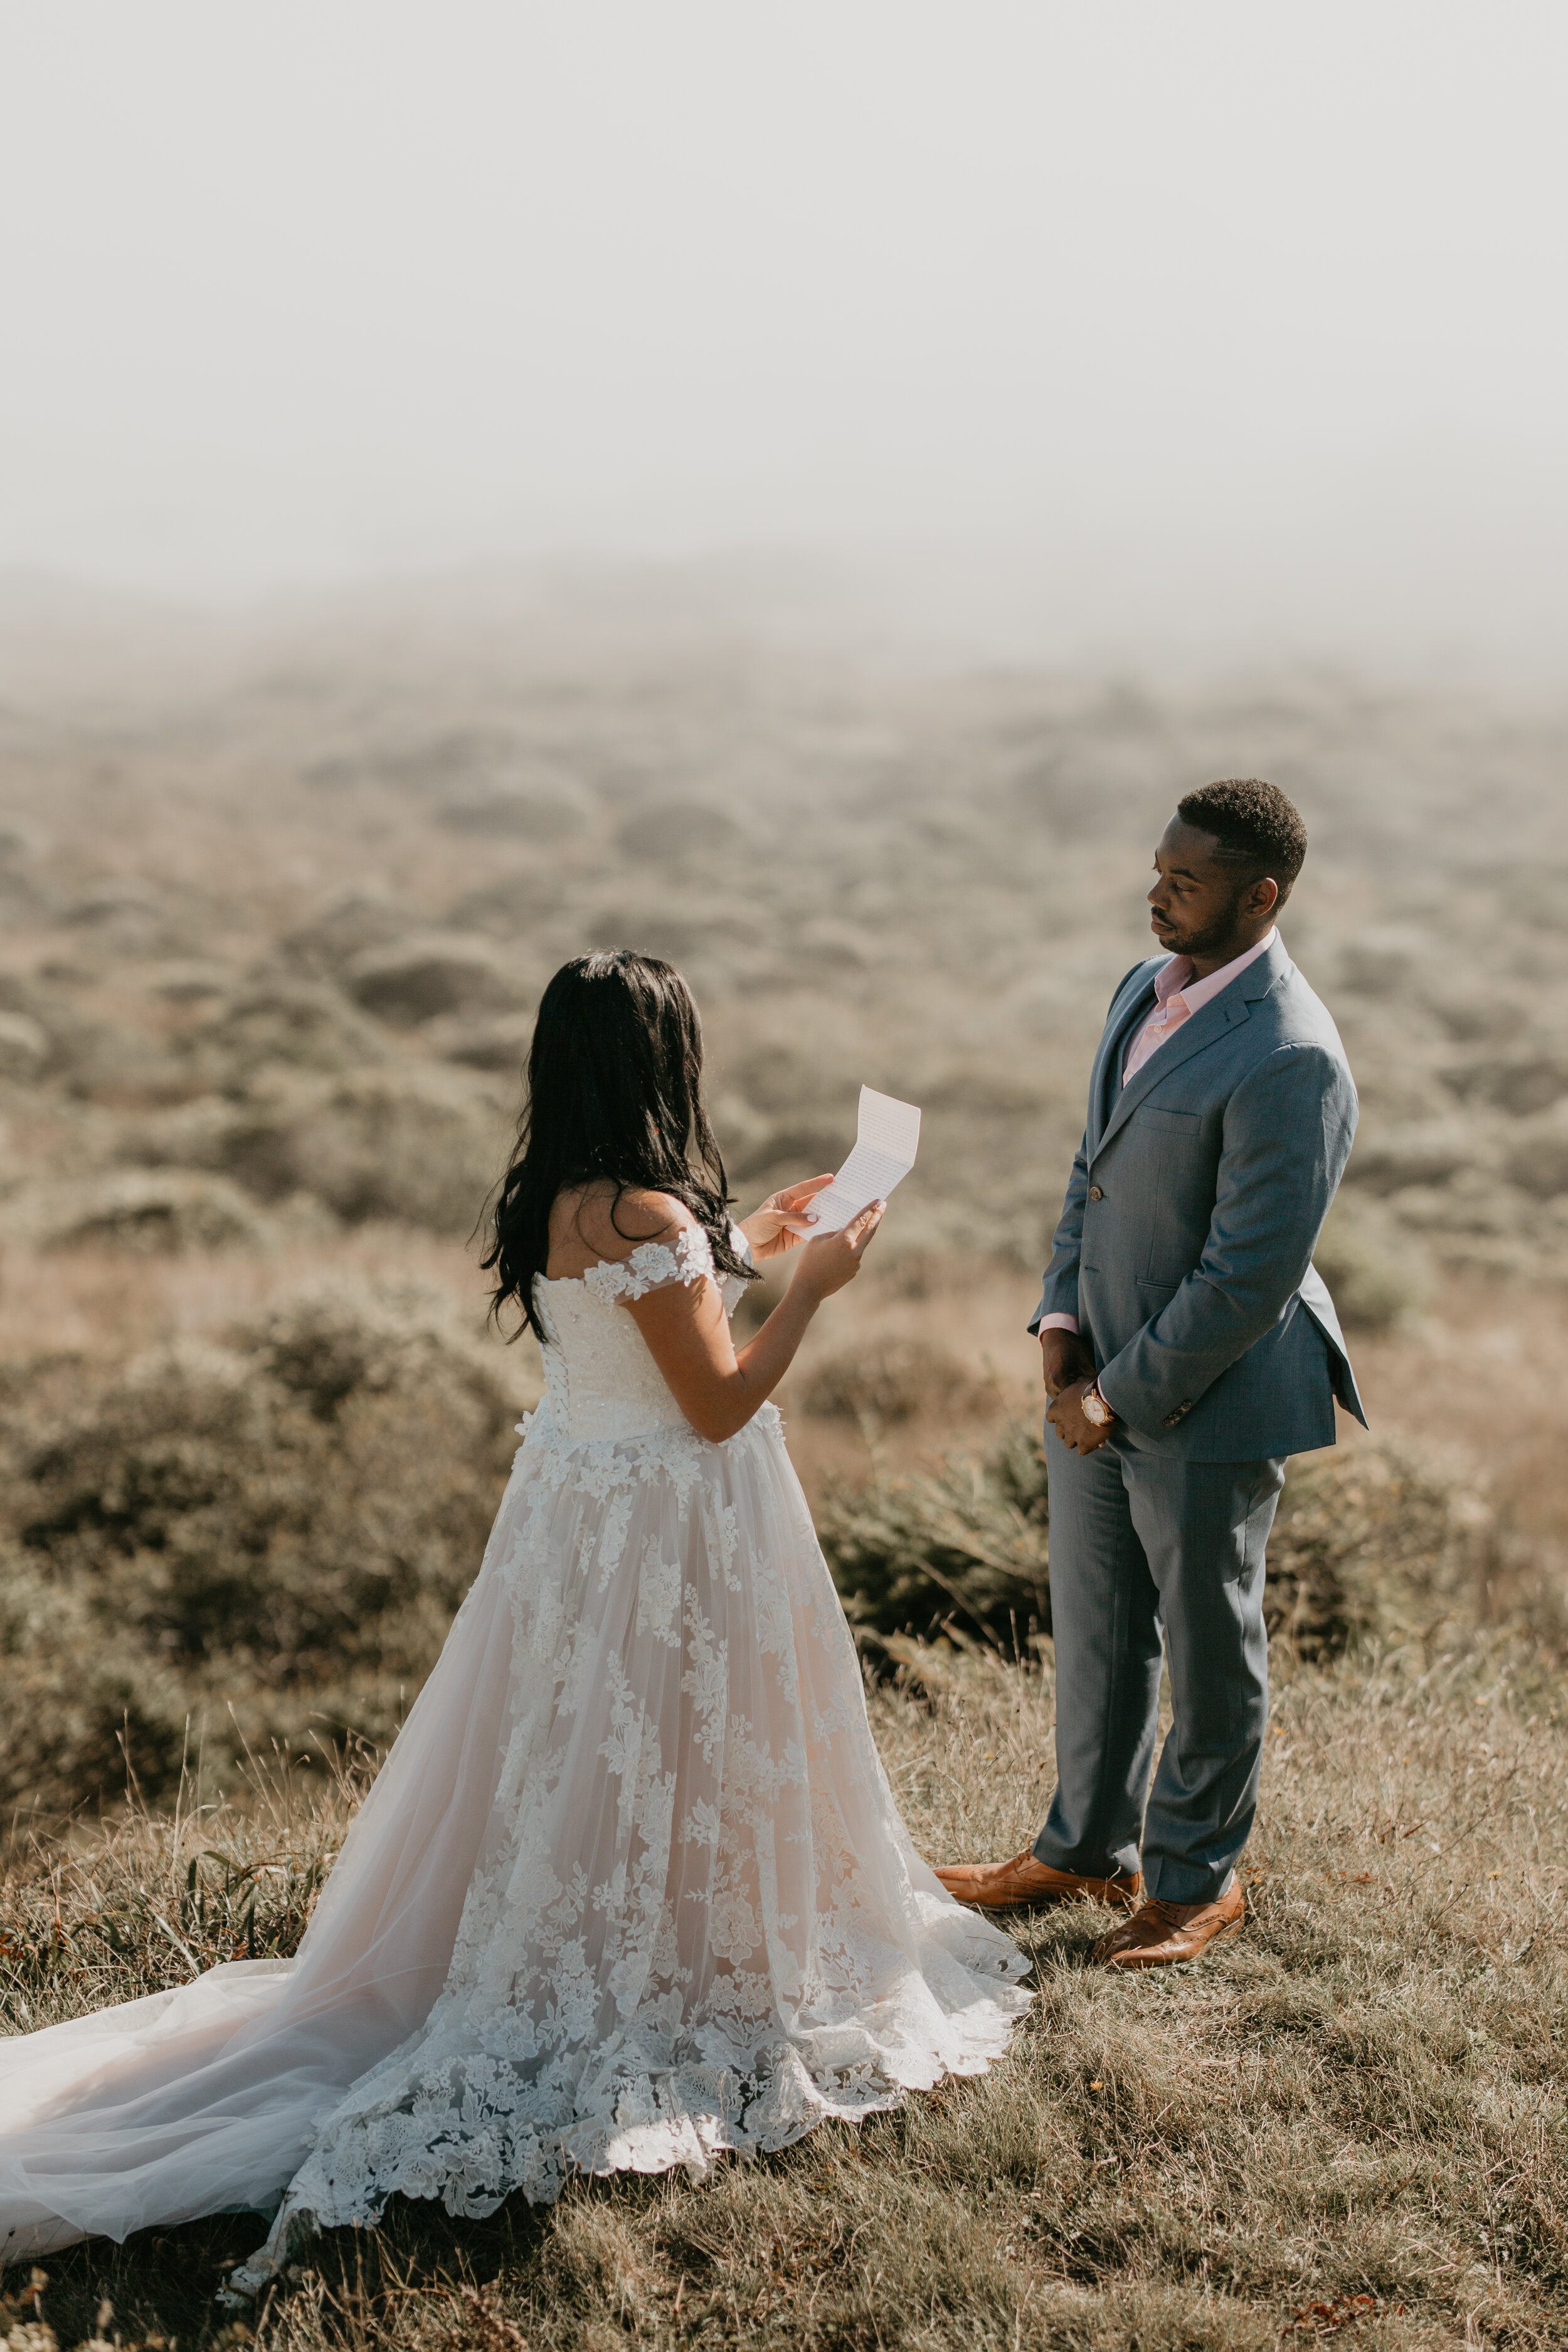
(630, 1889)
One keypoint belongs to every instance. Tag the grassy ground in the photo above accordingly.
(1352, 2116)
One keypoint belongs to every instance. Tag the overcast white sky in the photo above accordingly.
(1225, 321)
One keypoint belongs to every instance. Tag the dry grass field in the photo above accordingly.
(1353, 2117)
(276, 902)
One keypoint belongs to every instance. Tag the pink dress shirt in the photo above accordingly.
(1177, 996)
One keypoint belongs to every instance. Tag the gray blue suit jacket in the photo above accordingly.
(1186, 1242)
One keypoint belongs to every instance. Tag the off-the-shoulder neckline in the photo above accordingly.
(558, 1281)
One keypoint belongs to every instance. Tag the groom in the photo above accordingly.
(1189, 1345)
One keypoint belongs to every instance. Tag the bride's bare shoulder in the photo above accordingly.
(594, 1225)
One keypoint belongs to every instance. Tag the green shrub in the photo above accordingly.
(892, 1381)
(968, 1544)
(1369, 1542)
(266, 1537)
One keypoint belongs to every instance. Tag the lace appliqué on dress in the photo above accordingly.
(698, 1924)
(652, 1265)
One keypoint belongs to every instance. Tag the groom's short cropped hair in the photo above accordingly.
(1253, 827)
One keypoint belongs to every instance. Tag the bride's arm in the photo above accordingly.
(718, 1386)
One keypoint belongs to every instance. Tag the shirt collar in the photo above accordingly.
(1175, 979)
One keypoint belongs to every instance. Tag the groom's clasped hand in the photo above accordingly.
(1069, 1370)
(1189, 1346)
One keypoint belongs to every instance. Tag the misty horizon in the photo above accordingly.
(1216, 337)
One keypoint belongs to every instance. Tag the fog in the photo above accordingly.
(1218, 329)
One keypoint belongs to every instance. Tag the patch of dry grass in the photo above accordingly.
(1352, 2114)
(101, 1305)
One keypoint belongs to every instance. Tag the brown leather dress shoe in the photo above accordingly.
(1160, 1934)
(1017, 1884)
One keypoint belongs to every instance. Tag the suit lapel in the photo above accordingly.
(1138, 1005)
(1217, 1018)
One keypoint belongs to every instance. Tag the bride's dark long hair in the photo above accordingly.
(614, 1094)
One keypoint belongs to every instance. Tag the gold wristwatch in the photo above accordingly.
(1095, 1408)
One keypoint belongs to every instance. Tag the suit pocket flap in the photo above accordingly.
(1169, 1122)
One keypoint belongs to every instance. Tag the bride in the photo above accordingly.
(630, 1888)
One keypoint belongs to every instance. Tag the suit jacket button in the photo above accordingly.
(1094, 1194)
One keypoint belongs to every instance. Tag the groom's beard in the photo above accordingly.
(1205, 940)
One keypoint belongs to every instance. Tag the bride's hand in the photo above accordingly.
(782, 1222)
(831, 1260)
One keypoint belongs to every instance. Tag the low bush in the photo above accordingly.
(303, 1024)
(158, 1210)
(892, 1381)
(418, 1145)
(1373, 1543)
(259, 1539)
(967, 1544)
(414, 979)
